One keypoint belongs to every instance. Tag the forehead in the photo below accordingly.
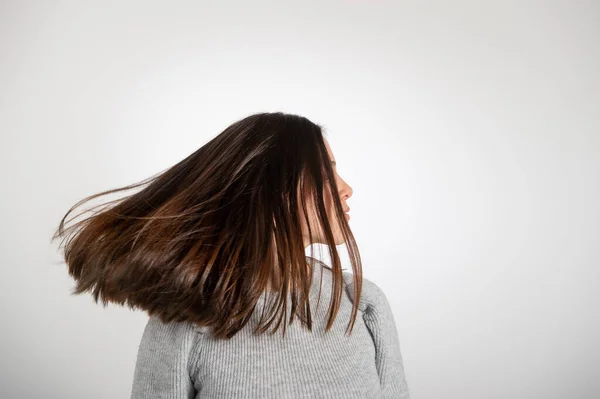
(329, 149)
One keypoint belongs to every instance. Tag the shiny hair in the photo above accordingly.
(202, 240)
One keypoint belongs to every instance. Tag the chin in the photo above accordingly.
(337, 241)
(340, 241)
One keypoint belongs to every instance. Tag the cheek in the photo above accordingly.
(329, 203)
(328, 199)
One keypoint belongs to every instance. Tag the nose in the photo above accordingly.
(346, 191)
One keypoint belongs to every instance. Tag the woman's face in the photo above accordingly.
(344, 193)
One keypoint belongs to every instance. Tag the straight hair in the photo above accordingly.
(201, 241)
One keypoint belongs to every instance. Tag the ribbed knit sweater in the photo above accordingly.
(179, 360)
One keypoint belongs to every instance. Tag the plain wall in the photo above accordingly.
(469, 132)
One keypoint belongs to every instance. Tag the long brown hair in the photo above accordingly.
(202, 240)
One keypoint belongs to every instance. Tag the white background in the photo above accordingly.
(469, 132)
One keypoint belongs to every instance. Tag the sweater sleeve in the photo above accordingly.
(379, 319)
(165, 361)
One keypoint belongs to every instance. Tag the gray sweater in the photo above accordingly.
(181, 360)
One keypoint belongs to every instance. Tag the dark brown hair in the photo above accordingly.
(203, 239)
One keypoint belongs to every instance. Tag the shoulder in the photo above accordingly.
(167, 360)
(155, 326)
(172, 342)
(372, 296)
(170, 336)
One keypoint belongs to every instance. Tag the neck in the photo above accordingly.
(276, 280)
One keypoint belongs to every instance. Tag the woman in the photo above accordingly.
(213, 249)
